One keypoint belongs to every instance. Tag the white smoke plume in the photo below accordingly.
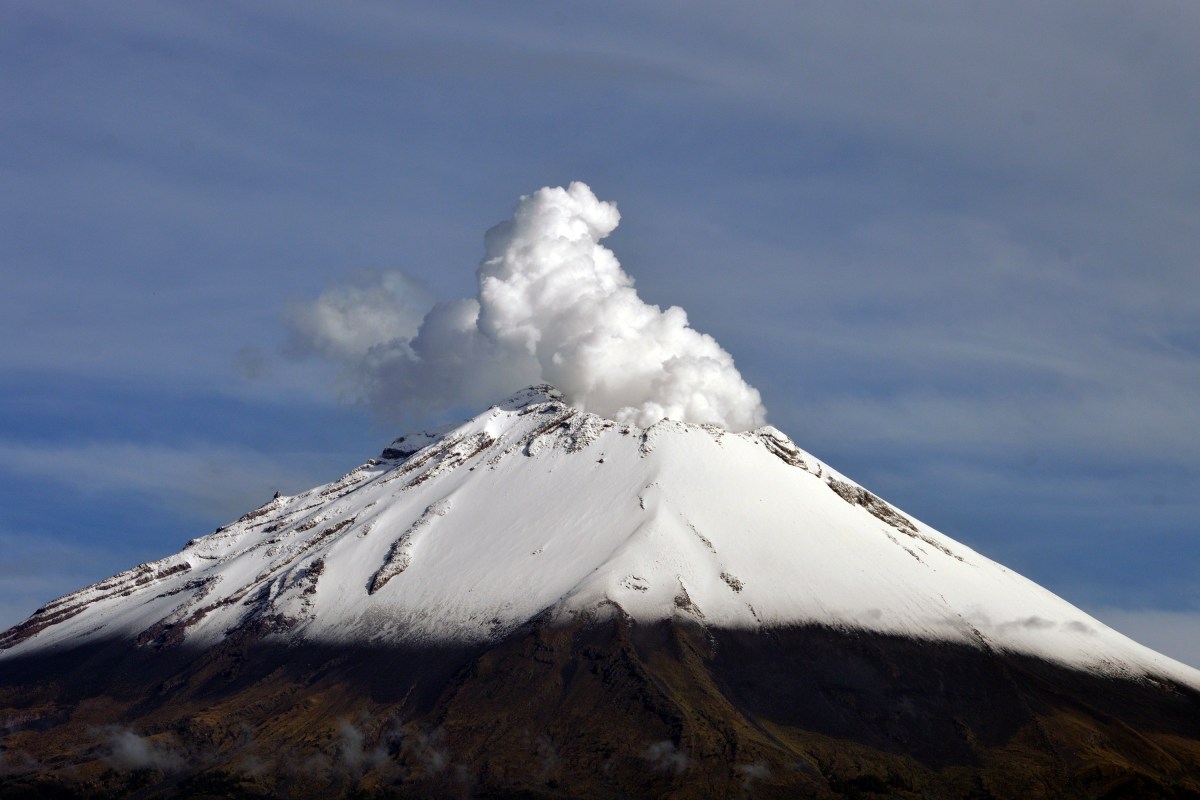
(346, 322)
(553, 306)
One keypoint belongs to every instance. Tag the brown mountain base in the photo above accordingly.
(606, 710)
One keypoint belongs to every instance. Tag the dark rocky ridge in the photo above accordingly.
(607, 710)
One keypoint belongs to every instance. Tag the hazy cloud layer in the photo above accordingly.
(348, 322)
(131, 751)
(37, 568)
(953, 245)
(553, 305)
(199, 479)
(666, 756)
(356, 753)
(1173, 633)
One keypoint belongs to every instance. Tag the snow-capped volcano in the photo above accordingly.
(542, 602)
(535, 509)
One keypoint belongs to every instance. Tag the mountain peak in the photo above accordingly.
(536, 394)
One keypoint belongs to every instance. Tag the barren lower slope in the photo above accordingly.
(605, 710)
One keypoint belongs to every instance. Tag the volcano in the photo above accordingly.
(542, 602)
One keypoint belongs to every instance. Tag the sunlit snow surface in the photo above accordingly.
(535, 508)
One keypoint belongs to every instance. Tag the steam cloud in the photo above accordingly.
(355, 752)
(553, 306)
(665, 756)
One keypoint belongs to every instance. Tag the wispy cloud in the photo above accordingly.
(1172, 633)
(356, 753)
(202, 478)
(186, 482)
(667, 757)
(755, 771)
(948, 332)
(35, 569)
(960, 240)
(131, 751)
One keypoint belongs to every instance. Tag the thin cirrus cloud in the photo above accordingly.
(192, 484)
(198, 480)
(1173, 633)
(945, 241)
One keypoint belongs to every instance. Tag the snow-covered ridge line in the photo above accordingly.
(537, 510)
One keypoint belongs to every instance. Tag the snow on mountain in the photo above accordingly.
(535, 509)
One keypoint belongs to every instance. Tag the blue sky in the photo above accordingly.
(953, 244)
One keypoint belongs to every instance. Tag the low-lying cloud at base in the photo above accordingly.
(553, 306)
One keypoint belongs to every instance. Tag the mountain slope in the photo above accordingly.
(536, 509)
(590, 710)
(540, 602)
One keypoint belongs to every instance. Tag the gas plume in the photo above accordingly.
(553, 306)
